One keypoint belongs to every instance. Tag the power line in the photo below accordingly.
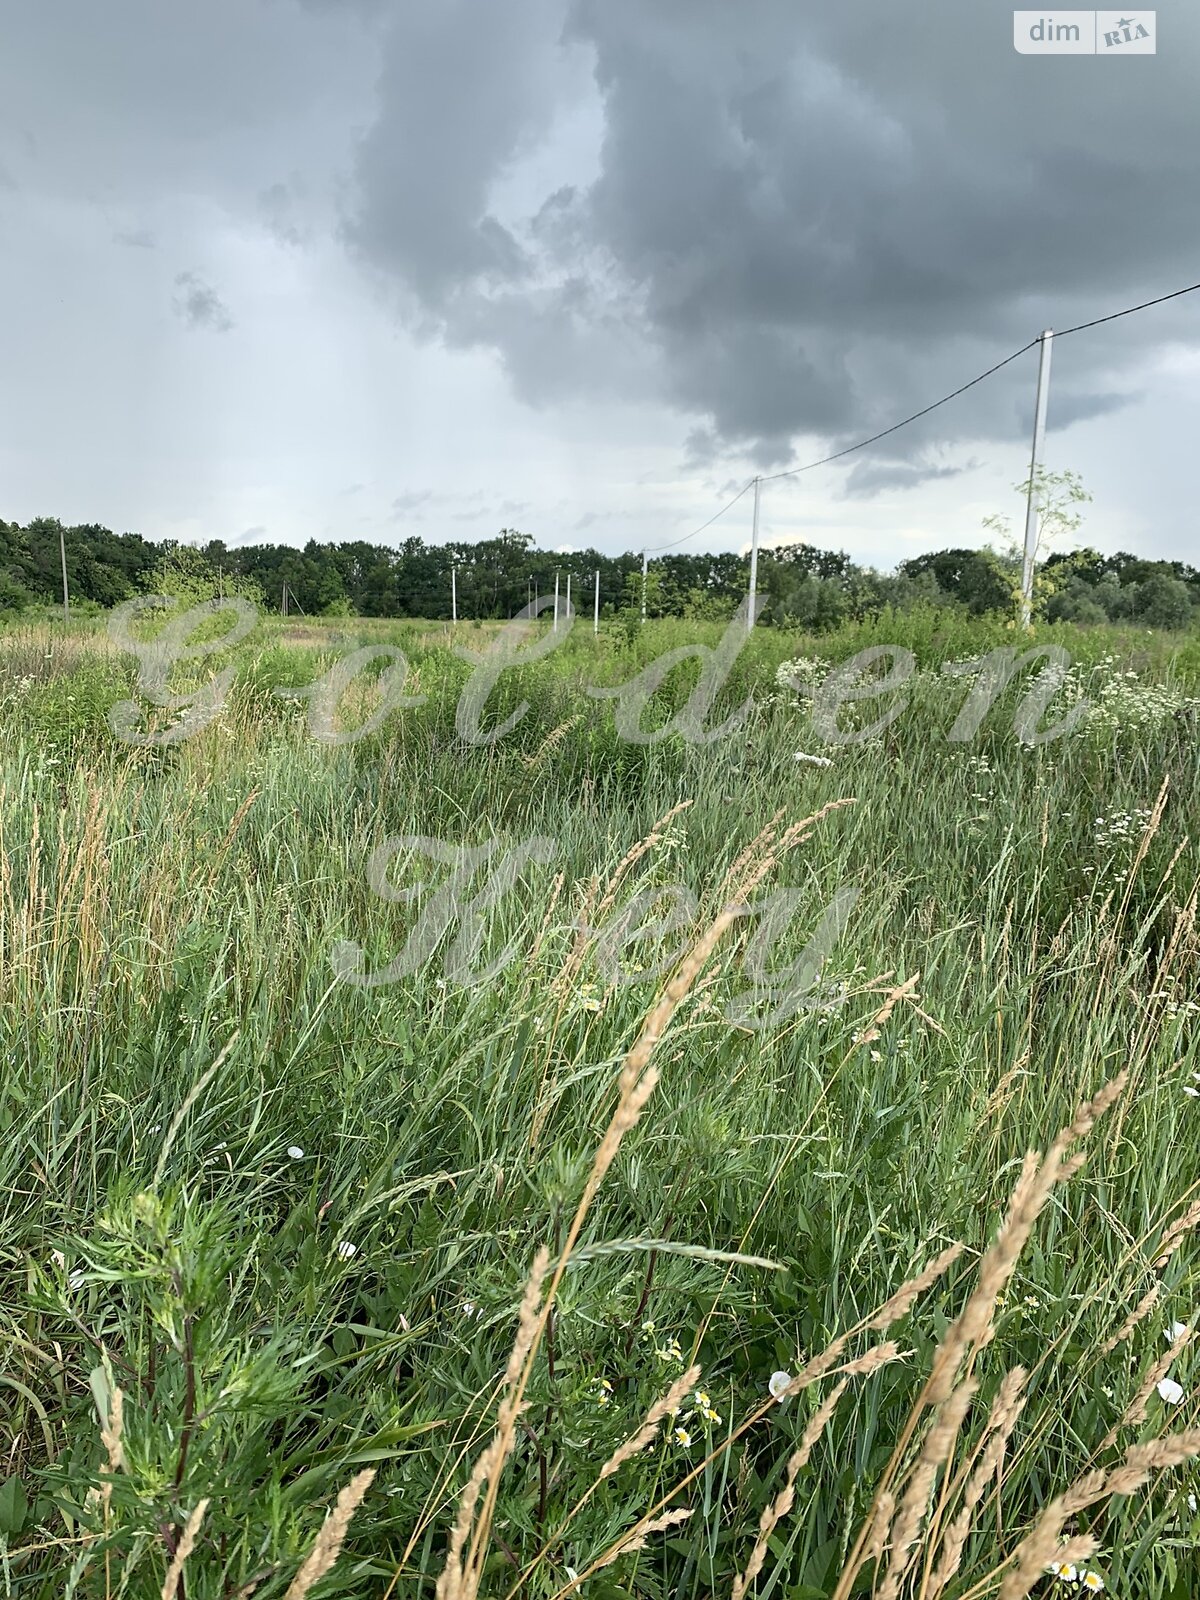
(1128, 312)
(655, 548)
(863, 443)
(837, 455)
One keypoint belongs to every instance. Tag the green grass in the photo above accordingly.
(167, 908)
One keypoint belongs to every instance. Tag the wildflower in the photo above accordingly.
(705, 1407)
(647, 1326)
(1170, 1391)
(1092, 1581)
(815, 761)
(345, 1250)
(682, 1438)
(59, 1260)
(605, 1389)
(1175, 1331)
(1064, 1571)
(1192, 1504)
(875, 1056)
(778, 1385)
(590, 1003)
(295, 1152)
(669, 1351)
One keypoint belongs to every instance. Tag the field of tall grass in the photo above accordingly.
(605, 1158)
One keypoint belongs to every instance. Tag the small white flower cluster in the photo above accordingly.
(1123, 827)
(1082, 1577)
(806, 671)
(1119, 697)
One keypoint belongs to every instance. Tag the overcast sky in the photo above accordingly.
(283, 269)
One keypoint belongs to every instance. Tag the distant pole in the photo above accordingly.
(555, 602)
(62, 550)
(283, 603)
(536, 597)
(453, 593)
(1032, 508)
(568, 594)
(753, 559)
(643, 586)
(528, 593)
(596, 614)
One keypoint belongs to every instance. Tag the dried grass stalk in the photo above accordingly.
(1139, 1313)
(939, 1442)
(187, 1542)
(669, 1519)
(332, 1536)
(782, 1502)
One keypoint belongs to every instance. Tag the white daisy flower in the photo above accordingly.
(1092, 1581)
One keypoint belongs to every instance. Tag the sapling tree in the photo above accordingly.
(1057, 495)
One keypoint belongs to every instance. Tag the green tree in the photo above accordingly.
(1163, 602)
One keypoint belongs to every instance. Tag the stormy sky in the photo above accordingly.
(283, 269)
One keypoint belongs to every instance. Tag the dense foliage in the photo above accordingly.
(804, 587)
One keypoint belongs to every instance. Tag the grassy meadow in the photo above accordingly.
(273, 1314)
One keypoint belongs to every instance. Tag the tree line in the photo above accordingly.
(804, 586)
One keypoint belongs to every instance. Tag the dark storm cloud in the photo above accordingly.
(199, 305)
(802, 223)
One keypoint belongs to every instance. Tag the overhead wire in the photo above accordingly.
(837, 455)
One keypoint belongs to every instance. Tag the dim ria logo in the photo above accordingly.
(1084, 33)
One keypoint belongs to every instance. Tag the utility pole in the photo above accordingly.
(753, 559)
(596, 615)
(62, 550)
(568, 596)
(283, 602)
(1032, 508)
(554, 629)
(453, 593)
(643, 586)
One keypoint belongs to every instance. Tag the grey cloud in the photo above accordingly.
(869, 478)
(802, 224)
(136, 239)
(407, 505)
(280, 205)
(199, 305)
(7, 181)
